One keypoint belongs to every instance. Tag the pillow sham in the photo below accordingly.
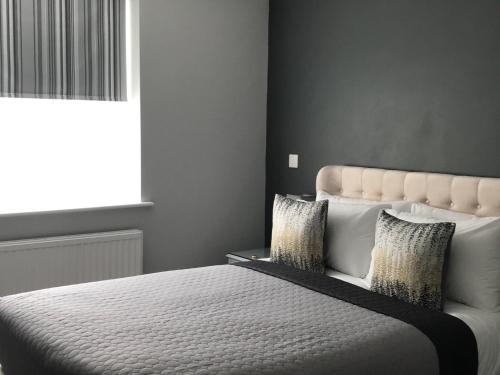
(350, 235)
(397, 205)
(424, 210)
(409, 260)
(297, 235)
(408, 216)
(474, 266)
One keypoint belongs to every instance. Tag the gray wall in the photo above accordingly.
(400, 84)
(203, 88)
(204, 82)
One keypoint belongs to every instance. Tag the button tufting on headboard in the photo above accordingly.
(474, 195)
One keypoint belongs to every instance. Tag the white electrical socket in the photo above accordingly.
(293, 161)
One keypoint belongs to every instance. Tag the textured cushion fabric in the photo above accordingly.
(409, 260)
(473, 276)
(297, 236)
(403, 206)
(350, 235)
(407, 216)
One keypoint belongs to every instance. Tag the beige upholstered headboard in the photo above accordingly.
(474, 195)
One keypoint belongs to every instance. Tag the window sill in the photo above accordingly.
(76, 210)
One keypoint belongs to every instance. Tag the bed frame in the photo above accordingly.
(473, 195)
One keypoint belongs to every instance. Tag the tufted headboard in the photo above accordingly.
(473, 195)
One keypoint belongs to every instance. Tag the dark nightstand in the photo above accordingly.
(247, 255)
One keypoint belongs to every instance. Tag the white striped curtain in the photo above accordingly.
(63, 49)
(10, 48)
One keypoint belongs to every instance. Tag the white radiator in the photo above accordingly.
(47, 262)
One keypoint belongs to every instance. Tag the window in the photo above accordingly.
(63, 154)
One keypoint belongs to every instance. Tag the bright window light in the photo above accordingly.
(66, 154)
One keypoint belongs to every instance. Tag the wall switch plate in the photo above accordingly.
(293, 161)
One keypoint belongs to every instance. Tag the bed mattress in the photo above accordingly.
(217, 320)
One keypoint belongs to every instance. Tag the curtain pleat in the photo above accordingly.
(63, 49)
(11, 79)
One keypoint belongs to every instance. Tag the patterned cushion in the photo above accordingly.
(297, 237)
(409, 259)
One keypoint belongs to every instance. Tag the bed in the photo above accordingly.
(485, 326)
(259, 317)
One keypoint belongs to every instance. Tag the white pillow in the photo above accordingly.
(473, 275)
(350, 235)
(413, 218)
(397, 205)
(421, 209)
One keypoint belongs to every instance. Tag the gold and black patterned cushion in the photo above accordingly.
(409, 259)
(297, 237)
